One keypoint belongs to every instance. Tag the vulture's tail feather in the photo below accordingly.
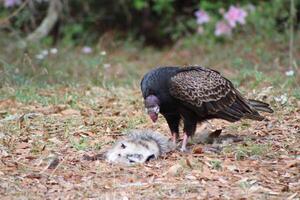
(260, 106)
(242, 109)
(254, 116)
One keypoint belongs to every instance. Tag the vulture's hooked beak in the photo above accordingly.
(153, 113)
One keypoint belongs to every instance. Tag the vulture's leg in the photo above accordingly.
(173, 122)
(189, 130)
(175, 137)
(184, 142)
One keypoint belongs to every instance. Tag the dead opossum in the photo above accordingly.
(139, 146)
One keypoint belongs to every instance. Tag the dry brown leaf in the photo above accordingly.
(23, 145)
(47, 110)
(6, 103)
(87, 112)
(34, 176)
(293, 163)
(70, 112)
(197, 150)
(188, 163)
(205, 173)
(175, 169)
(292, 196)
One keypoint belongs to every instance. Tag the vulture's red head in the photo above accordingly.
(152, 107)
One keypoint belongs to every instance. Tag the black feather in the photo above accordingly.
(260, 106)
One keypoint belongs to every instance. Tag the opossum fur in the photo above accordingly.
(139, 146)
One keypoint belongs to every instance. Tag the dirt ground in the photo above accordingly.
(46, 151)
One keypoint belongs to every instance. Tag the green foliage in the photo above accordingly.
(248, 74)
(163, 6)
(139, 4)
(270, 18)
(72, 33)
(153, 21)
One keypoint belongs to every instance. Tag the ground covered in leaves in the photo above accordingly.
(58, 115)
(46, 150)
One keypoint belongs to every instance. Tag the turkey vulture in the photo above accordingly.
(195, 94)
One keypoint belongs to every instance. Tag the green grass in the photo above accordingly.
(296, 93)
(134, 122)
(216, 164)
(81, 144)
(252, 62)
(247, 150)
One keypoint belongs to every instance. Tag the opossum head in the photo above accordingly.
(132, 152)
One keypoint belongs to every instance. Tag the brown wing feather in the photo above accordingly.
(196, 86)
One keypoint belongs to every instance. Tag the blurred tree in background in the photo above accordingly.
(156, 22)
(102, 40)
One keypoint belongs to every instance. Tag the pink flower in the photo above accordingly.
(11, 3)
(235, 15)
(87, 50)
(202, 17)
(222, 28)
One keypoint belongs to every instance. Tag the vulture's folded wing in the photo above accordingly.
(204, 88)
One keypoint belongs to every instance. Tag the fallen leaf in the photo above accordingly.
(70, 112)
(22, 145)
(47, 110)
(292, 196)
(7, 103)
(93, 157)
(293, 163)
(232, 168)
(188, 163)
(197, 150)
(34, 176)
(191, 177)
(175, 170)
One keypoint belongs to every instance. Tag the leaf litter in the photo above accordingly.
(55, 151)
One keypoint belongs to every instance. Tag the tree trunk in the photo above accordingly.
(54, 10)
